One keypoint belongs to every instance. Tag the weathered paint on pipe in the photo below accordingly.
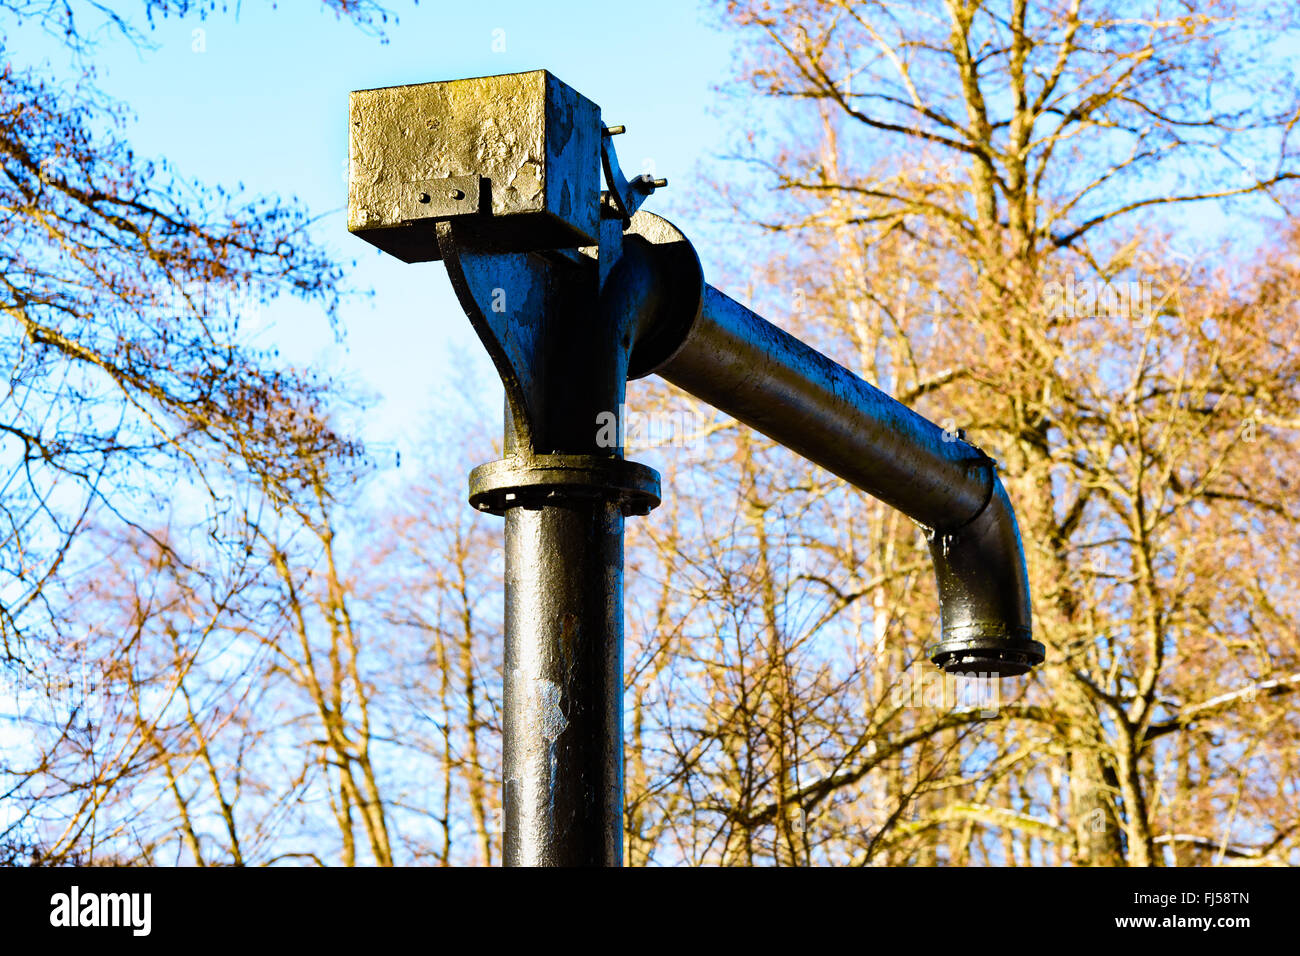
(763, 376)
(771, 381)
(563, 701)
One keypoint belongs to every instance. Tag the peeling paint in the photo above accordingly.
(552, 719)
(542, 699)
(527, 181)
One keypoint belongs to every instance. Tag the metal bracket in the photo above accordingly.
(442, 198)
(624, 197)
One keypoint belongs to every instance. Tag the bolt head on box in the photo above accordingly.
(515, 157)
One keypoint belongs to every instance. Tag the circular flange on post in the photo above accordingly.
(533, 481)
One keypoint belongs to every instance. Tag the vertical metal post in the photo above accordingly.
(501, 178)
(565, 489)
(564, 684)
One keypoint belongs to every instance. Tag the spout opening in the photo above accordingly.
(992, 655)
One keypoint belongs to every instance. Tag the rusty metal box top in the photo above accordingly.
(516, 155)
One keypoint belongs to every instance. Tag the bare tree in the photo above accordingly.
(1015, 153)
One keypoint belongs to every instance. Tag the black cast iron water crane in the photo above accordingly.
(574, 290)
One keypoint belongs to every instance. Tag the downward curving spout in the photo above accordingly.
(743, 365)
(984, 605)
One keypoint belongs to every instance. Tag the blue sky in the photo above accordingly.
(261, 98)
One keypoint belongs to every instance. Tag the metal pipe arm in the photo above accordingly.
(760, 374)
(766, 378)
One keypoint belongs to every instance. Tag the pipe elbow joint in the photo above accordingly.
(985, 616)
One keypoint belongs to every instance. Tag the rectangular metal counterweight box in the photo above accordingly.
(516, 157)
